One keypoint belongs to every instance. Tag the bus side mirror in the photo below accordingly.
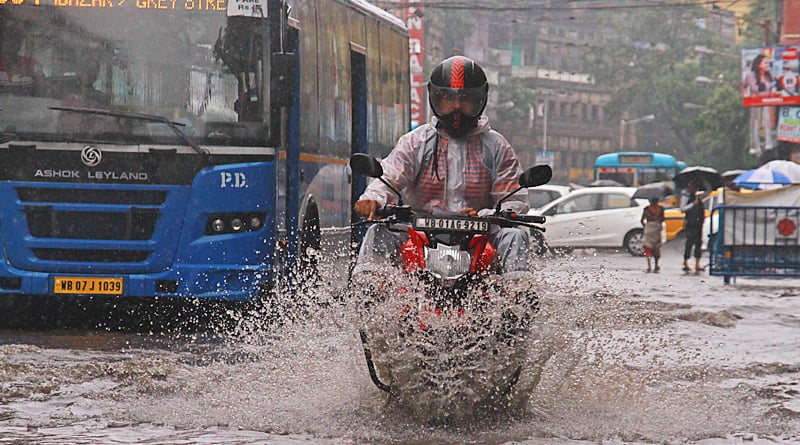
(283, 79)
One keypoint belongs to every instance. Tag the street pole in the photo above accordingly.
(623, 122)
(544, 124)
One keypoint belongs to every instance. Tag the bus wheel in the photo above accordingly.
(310, 241)
(634, 242)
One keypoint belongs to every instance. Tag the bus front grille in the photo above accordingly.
(92, 255)
(92, 196)
(134, 224)
(109, 228)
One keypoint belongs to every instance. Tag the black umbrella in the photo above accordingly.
(658, 190)
(705, 178)
(605, 183)
(731, 174)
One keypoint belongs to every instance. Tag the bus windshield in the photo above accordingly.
(184, 60)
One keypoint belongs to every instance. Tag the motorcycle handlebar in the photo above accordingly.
(504, 218)
(530, 219)
(402, 213)
(384, 212)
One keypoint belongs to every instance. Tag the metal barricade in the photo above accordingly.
(754, 241)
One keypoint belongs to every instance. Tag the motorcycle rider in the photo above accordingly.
(454, 163)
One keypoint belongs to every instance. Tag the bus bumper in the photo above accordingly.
(230, 283)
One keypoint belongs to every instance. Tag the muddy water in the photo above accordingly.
(626, 357)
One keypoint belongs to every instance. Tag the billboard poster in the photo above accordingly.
(789, 124)
(770, 76)
(413, 16)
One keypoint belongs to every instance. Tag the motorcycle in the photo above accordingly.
(442, 334)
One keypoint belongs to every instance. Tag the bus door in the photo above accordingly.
(285, 78)
(358, 144)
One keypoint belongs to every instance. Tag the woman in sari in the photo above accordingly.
(652, 220)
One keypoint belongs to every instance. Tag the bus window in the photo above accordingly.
(20, 73)
(203, 68)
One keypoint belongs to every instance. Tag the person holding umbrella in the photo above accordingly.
(695, 212)
(652, 220)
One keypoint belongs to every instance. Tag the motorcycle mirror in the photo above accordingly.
(364, 164)
(537, 175)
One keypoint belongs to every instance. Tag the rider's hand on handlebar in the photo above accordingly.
(469, 212)
(366, 207)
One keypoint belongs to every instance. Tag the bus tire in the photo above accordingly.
(310, 240)
(634, 242)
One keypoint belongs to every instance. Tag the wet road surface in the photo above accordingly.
(627, 357)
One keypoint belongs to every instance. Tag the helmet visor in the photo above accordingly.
(468, 101)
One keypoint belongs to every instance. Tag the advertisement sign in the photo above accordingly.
(789, 124)
(413, 18)
(546, 158)
(770, 76)
(247, 8)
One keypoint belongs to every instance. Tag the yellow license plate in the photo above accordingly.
(87, 286)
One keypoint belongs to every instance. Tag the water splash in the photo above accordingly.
(447, 364)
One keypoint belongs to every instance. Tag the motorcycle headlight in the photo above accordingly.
(447, 261)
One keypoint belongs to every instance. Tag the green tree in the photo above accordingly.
(445, 33)
(723, 124)
(653, 63)
(759, 27)
(523, 97)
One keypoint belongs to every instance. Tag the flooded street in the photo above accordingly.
(627, 357)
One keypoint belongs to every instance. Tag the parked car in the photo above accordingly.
(543, 194)
(674, 216)
(604, 217)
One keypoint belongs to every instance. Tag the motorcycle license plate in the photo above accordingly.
(87, 286)
(450, 223)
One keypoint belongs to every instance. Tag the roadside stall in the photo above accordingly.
(756, 233)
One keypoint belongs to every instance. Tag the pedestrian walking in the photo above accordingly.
(695, 212)
(653, 221)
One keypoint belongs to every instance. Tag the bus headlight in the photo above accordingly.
(234, 222)
(217, 225)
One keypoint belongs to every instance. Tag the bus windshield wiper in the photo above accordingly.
(139, 116)
(7, 137)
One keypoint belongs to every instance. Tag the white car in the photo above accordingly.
(606, 217)
(544, 194)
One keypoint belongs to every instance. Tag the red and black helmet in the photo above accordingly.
(457, 92)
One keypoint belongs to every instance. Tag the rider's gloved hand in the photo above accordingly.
(366, 207)
(469, 212)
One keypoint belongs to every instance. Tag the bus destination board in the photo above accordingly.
(635, 159)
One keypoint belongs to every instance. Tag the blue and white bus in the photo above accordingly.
(165, 148)
(635, 168)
